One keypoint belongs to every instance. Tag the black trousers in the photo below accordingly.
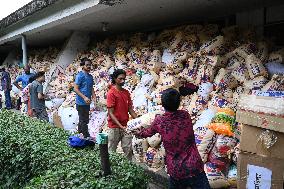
(83, 112)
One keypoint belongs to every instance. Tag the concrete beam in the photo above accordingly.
(27, 10)
(63, 16)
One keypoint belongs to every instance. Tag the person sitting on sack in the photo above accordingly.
(183, 161)
(37, 98)
(83, 87)
(119, 104)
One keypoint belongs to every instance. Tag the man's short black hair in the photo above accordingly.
(116, 73)
(31, 79)
(170, 100)
(39, 74)
(84, 60)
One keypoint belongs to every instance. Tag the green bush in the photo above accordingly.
(34, 154)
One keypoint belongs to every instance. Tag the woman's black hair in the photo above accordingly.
(116, 73)
(38, 74)
(84, 60)
(170, 99)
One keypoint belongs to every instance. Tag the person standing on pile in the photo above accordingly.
(24, 79)
(119, 104)
(37, 97)
(83, 87)
(6, 87)
(183, 161)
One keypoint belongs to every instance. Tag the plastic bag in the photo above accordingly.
(214, 46)
(56, 102)
(218, 101)
(155, 62)
(225, 79)
(69, 117)
(97, 121)
(139, 96)
(140, 147)
(220, 154)
(142, 122)
(215, 177)
(221, 128)
(241, 73)
(206, 143)
(197, 104)
(274, 84)
(256, 84)
(167, 57)
(223, 122)
(155, 159)
(177, 42)
(205, 89)
(274, 68)
(154, 140)
(233, 175)
(255, 66)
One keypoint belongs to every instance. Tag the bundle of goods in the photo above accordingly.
(43, 59)
(147, 150)
(214, 135)
(60, 87)
(223, 65)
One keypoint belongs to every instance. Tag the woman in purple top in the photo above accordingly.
(183, 161)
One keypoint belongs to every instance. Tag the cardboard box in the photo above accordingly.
(274, 123)
(251, 142)
(257, 172)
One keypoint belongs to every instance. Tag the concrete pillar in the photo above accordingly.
(10, 59)
(24, 49)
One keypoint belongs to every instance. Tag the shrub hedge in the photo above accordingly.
(34, 154)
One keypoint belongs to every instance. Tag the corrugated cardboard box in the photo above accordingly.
(251, 142)
(259, 172)
(274, 123)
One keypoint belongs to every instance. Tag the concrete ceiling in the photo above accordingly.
(135, 15)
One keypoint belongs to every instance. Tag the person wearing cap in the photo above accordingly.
(83, 87)
(24, 79)
(6, 87)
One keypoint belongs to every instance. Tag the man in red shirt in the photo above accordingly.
(183, 161)
(119, 104)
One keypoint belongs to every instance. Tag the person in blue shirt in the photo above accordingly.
(6, 87)
(83, 87)
(24, 79)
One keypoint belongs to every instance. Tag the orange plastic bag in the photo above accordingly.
(221, 128)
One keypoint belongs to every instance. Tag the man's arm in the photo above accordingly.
(132, 113)
(114, 119)
(16, 83)
(39, 91)
(78, 92)
(144, 133)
